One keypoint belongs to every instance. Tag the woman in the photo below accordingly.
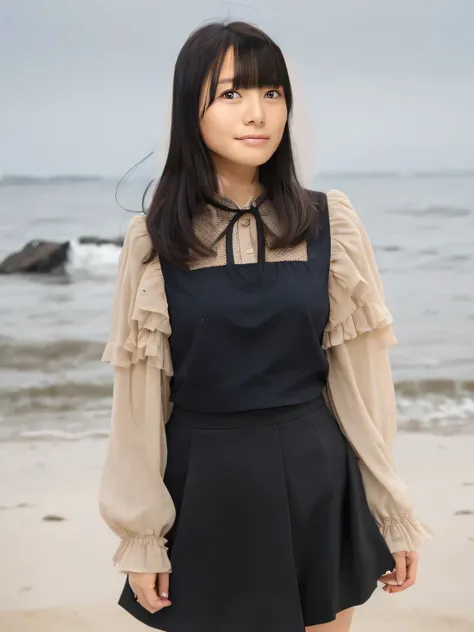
(250, 474)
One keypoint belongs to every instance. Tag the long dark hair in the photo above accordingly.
(189, 179)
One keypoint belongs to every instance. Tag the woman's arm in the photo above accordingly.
(360, 388)
(361, 395)
(133, 499)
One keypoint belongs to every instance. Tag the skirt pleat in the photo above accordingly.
(273, 531)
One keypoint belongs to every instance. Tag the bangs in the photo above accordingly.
(258, 63)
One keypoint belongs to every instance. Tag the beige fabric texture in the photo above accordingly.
(133, 499)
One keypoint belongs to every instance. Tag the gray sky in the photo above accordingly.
(382, 85)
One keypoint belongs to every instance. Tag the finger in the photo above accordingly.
(163, 587)
(389, 579)
(407, 584)
(400, 568)
(412, 569)
(143, 602)
(151, 599)
(141, 597)
(138, 595)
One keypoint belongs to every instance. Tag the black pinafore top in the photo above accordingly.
(249, 336)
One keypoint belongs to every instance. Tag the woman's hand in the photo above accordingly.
(404, 575)
(150, 590)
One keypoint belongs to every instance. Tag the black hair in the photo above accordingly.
(189, 179)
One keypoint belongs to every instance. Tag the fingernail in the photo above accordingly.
(163, 595)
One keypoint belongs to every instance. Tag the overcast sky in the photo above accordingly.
(382, 84)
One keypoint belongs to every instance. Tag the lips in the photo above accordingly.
(254, 137)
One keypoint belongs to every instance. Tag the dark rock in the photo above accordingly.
(45, 257)
(37, 257)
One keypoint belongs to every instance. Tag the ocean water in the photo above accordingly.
(53, 328)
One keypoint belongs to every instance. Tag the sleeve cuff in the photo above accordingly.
(404, 534)
(142, 554)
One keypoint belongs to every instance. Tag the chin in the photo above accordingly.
(254, 160)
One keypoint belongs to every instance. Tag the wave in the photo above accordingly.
(56, 399)
(97, 260)
(57, 391)
(441, 406)
(47, 356)
(71, 410)
(438, 386)
(61, 435)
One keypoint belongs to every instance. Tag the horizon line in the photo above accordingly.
(394, 173)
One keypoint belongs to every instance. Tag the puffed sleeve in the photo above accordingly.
(133, 499)
(360, 388)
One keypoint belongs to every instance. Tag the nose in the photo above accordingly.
(254, 110)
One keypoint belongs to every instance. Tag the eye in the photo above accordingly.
(276, 94)
(231, 92)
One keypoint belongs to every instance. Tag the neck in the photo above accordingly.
(239, 183)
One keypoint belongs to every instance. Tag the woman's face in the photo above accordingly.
(236, 114)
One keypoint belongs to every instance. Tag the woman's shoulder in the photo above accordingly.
(355, 286)
(350, 244)
(348, 233)
(140, 322)
(338, 206)
(137, 242)
(136, 228)
(341, 210)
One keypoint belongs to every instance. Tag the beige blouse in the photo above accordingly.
(133, 498)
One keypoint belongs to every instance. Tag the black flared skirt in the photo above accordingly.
(273, 532)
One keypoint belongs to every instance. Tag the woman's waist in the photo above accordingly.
(267, 416)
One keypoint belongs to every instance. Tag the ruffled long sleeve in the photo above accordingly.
(360, 388)
(133, 499)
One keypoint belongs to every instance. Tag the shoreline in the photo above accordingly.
(56, 551)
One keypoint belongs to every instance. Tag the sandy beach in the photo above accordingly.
(55, 551)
